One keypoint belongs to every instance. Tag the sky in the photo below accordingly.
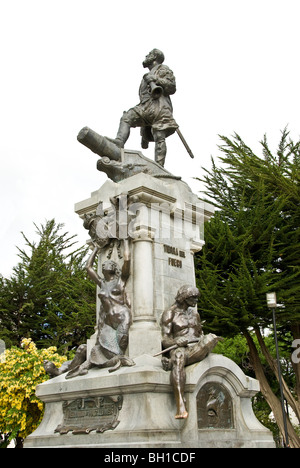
(66, 64)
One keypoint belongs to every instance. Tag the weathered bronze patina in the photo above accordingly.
(214, 407)
(184, 341)
(114, 316)
(154, 112)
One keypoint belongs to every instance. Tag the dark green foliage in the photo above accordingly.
(253, 241)
(48, 297)
(252, 246)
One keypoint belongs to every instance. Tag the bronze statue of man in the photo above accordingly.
(154, 112)
(182, 330)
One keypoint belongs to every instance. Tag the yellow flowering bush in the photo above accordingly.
(20, 372)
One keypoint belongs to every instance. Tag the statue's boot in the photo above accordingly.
(160, 152)
(123, 134)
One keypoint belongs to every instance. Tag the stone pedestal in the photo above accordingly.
(167, 230)
(135, 406)
(140, 402)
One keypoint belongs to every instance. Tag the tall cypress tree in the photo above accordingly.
(48, 297)
(253, 247)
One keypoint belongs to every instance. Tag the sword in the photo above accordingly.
(185, 143)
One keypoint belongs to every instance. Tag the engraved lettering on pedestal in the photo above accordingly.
(214, 407)
(174, 251)
(84, 415)
(174, 262)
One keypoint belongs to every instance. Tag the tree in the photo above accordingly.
(252, 247)
(21, 371)
(48, 296)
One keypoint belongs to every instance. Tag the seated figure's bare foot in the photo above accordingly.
(183, 415)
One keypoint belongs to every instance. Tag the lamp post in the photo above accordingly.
(272, 304)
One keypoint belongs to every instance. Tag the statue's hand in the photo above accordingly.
(148, 77)
(182, 341)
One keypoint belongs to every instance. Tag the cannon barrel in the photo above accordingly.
(99, 144)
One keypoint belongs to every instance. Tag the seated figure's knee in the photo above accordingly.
(179, 357)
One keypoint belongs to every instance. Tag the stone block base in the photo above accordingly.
(135, 407)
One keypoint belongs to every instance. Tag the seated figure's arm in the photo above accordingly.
(166, 327)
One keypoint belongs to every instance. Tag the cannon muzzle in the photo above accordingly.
(99, 144)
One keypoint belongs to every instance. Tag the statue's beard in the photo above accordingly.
(147, 63)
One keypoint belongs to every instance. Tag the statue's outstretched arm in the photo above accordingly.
(89, 267)
(126, 265)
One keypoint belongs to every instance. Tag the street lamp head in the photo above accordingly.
(271, 300)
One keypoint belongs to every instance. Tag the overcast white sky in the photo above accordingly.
(66, 64)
